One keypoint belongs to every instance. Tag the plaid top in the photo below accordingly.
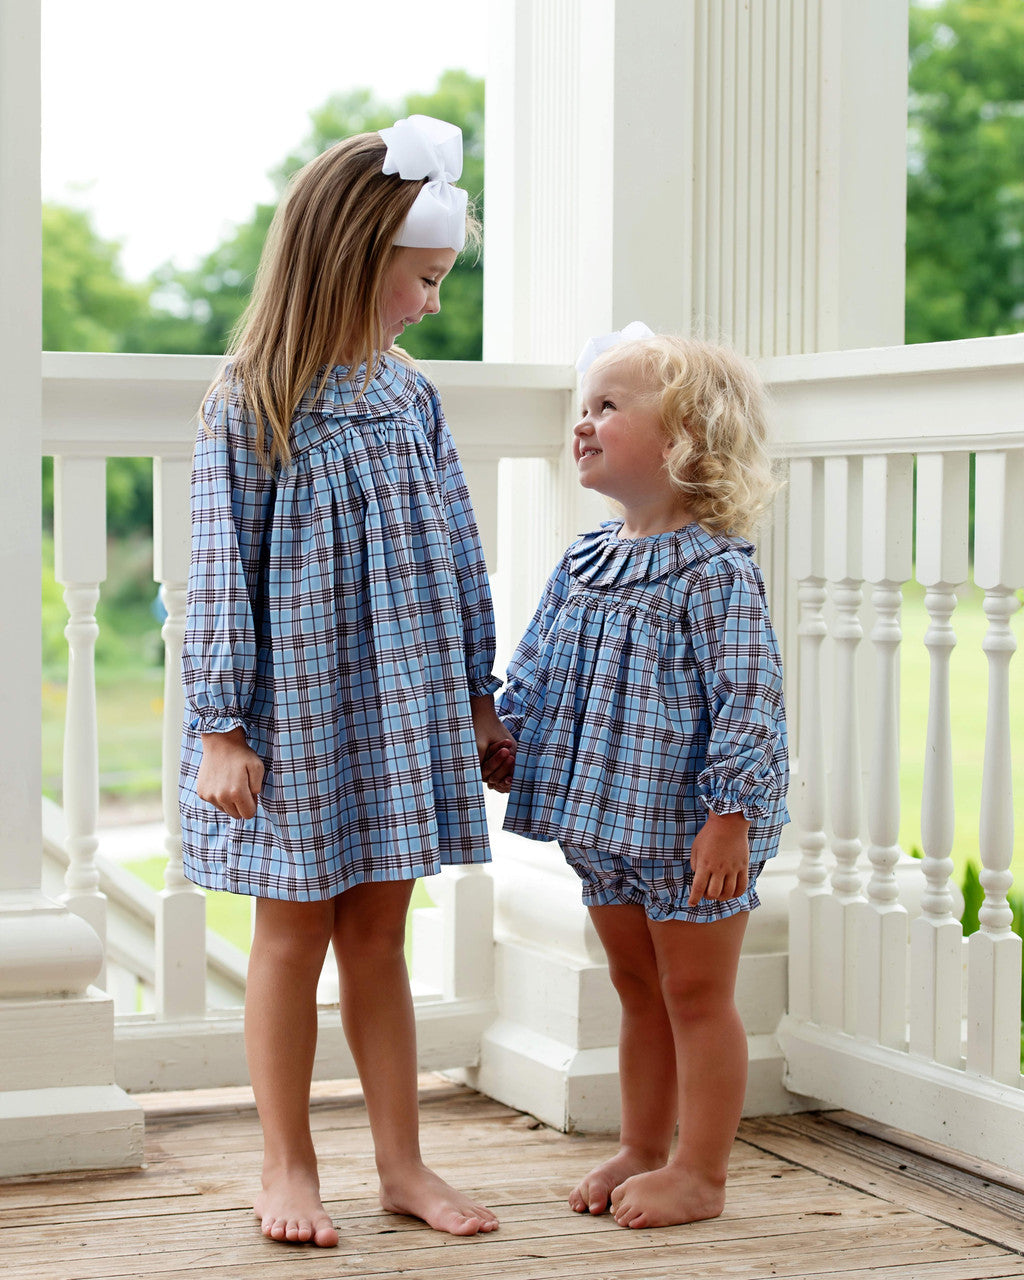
(339, 611)
(648, 689)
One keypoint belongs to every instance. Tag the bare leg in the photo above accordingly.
(377, 1013)
(698, 965)
(289, 944)
(647, 1065)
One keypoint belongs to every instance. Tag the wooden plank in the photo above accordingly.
(389, 1253)
(896, 1174)
(838, 1204)
(546, 1224)
(983, 1169)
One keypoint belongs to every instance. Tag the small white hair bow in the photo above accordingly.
(594, 347)
(422, 147)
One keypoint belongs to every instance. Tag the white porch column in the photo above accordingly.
(729, 168)
(59, 1107)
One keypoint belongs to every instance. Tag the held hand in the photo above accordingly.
(720, 858)
(230, 774)
(495, 744)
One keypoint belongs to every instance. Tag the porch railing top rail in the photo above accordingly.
(928, 398)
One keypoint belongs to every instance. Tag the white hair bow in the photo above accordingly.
(422, 147)
(594, 347)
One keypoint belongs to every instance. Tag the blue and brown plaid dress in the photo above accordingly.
(340, 612)
(648, 689)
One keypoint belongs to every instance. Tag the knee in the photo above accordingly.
(635, 984)
(292, 935)
(690, 999)
(371, 942)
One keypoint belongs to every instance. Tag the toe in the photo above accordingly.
(325, 1235)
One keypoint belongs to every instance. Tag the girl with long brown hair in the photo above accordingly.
(338, 652)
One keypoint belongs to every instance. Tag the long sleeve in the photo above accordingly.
(470, 567)
(738, 658)
(232, 496)
(524, 670)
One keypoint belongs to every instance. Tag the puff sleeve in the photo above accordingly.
(232, 499)
(740, 668)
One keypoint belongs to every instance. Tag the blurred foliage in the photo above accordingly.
(195, 311)
(965, 181)
(87, 303)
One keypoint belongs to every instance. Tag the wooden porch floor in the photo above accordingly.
(814, 1195)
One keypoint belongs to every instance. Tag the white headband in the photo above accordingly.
(422, 147)
(635, 330)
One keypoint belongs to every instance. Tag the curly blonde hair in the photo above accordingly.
(713, 408)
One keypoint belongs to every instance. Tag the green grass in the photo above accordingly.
(129, 707)
(969, 685)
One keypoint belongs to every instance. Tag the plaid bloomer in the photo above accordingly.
(647, 691)
(339, 611)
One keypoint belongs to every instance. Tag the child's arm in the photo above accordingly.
(745, 768)
(230, 774)
(720, 858)
(467, 551)
(232, 496)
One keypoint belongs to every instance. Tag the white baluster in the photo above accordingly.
(80, 564)
(181, 914)
(807, 958)
(994, 955)
(936, 936)
(880, 923)
(843, 548)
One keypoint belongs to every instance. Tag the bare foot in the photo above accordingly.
(290, 1209)
(420, 1193)
(667, 1197)
(593, 1195)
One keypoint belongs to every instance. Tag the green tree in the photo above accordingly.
(88, 305)
(197, 309)
(965, 196)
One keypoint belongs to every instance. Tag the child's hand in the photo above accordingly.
(230, 774)
(498, 765)
(720, 858)
(495, 744)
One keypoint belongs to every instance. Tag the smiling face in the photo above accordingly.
(411, 287)
(619, 442)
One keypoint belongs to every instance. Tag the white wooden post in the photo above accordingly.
(59, 1106)
(80, 565)
(936, 936)
(181, 916)
(843, 550)
(994, 963)
(880, 923)
(809, 958)
(729, 194)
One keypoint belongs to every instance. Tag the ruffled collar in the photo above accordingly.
(602, 558)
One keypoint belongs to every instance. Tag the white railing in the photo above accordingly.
(884, 1018)
(902, 1022)
(97, 407)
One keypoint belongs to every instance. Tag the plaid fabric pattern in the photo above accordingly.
(647, 689)
(660, 886)
(340, 613)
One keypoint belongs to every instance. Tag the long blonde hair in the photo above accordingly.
(713, 408)
(317, 291)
